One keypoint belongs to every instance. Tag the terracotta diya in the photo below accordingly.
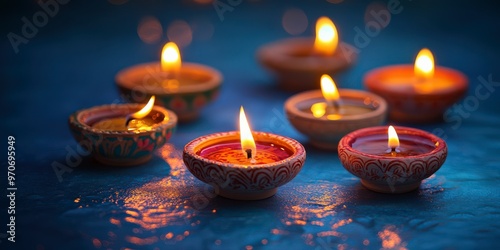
(392, 162)
(417, 93)
(299, 63)
(244, 165)
(326, 115)
(123, 134)
(183, 87)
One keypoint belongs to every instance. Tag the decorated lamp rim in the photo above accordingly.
(298, 150)
(281, 54)
(380, 110)
(77, 119)
(371, 80)
(214, 81)
(346, 141)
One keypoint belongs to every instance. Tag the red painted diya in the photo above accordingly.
(392, 162)
(417, 93)
(299, 63)
(242, 168)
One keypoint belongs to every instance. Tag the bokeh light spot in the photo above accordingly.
(391, 239)
(97, 243)
(294, 21)
(150, 30)
(180, 32)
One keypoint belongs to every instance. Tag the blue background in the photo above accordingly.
(71, 62)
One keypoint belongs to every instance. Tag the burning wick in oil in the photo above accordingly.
(141, 113)
(246, 137)
(330, 93)
(249, 153)
(393, 140)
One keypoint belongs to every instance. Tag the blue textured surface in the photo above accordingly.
(71, 62)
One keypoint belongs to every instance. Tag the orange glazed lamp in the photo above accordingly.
(417, 93)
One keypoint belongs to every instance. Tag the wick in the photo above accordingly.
(333, 106)
(393, 152)
(336, 106)
(249, 153)
(128, 120)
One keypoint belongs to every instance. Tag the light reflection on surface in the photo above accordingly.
(318, 212)
(159, 204)
(391, 239)
(97, 243)
(334, 228)
(141, 241)
(161, 212)
(315, 207)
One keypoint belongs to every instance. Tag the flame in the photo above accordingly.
(331, 95)
(246, 137)
(393, 141)
(424, 64)
(329, 89)
(170, 58)
(145, 110)
(327, 37)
